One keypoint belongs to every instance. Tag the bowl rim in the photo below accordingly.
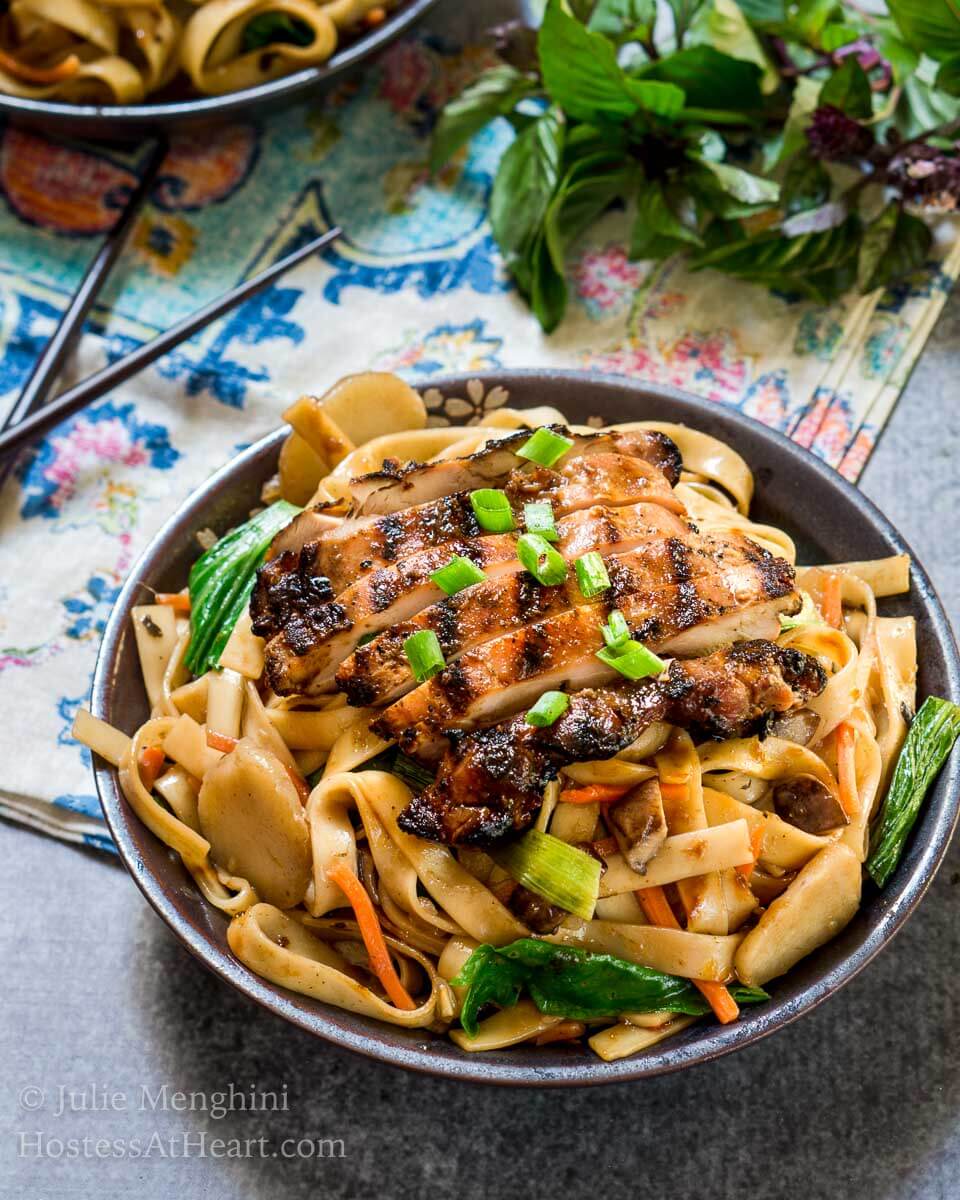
(117, 119)
(900, 898)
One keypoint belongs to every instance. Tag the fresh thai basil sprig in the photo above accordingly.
(782, 142)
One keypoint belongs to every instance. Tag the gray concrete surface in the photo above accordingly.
(860, 1100)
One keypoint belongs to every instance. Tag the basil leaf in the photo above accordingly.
(580, 69)
(740, 184)
(932, 26)
(580, 200)
(657, 231)
(548, 289)
(817, 265)
(708, 78)
(683, 12)
(948, 77)
(764, 12)
(849, 90)
(495, 94)
(806, 97)
(270, 27)
(923, 106)
(806, 184)
(730, 33)
(893, 245)
(525, 183)
(810, 18)
(623, 18)
(836, 35)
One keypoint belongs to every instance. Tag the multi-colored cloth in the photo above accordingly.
(415, 285)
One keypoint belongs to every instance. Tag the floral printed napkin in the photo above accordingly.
(415, 286)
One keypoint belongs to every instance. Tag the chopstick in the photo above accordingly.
(84, 393)
(49, 364)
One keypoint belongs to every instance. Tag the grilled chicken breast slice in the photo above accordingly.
(354, 546)
(395, 486)
(642, 561)
(310, 632)
(490, 783)
(508, 673)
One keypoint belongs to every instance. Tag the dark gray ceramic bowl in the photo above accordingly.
(831, 521)
(129, 122)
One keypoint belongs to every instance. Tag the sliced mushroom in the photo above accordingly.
(808, 804)
(251, 815)
(797, 726)
(638, 823)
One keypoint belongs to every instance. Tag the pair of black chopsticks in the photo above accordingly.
(31, 415)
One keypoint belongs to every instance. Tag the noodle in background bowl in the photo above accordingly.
(830, 520)
(127, 122)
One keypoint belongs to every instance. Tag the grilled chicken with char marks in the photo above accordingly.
(642, 561)
(703, 609)
(396, 486)
(350, 547)
(490, 783)
(309, 639)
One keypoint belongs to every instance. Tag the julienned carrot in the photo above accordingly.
(298, 781)
(831, 603)
(221, 741)
(756, 844)
(595, 793)
(64, 69)
(178, 601)
(152, 759)
(847, 769)
(657, 910)
(380, 961)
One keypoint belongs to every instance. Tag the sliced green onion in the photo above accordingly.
(424, 654)
(544, 563)
(932, 734)
(553, 869)
(459, 573)
(395, 762)
(544, 447)
(633, 660)
(807, 615)
(538, 518)
(549, 708)
(592, 577)
(492, 510)
(222, 579)
(616, 632)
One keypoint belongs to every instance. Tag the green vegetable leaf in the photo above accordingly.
(730, 33)
(708, 78)
(623, 18)
(806, 97)
(923, 106)
(810, 17)
(740, 184)
(806, 185)
(931, 737)
(580, 69)
(848, 89)
(657, 231)
(818, 265)
(948, 77)
(836, 35)
(548, 290)
(267, 28)
(577, 984)
(495, 94)
(222, 579)
(932, 26)
(580, 200)
(526, 181)
(893, 245)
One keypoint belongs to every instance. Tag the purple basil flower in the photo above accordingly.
(835, 137)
